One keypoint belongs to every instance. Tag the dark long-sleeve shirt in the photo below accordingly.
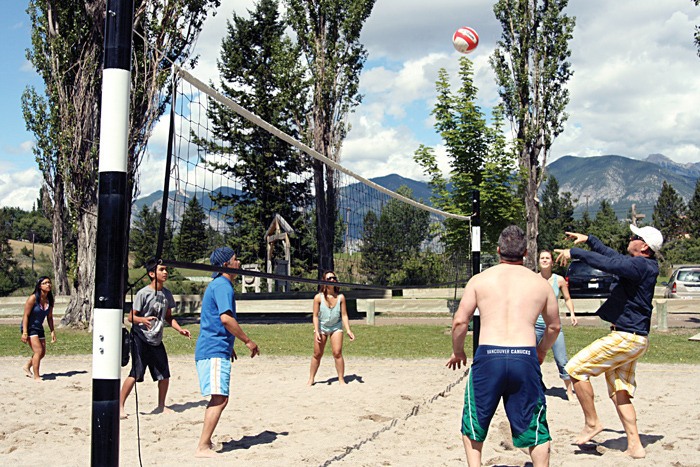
(629, 306)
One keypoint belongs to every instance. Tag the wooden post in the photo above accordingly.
(662, 315)
(370, 312)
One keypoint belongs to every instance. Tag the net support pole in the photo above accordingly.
(476, 260)
(111, 233)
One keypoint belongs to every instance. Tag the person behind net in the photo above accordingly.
(152, 308)
(560, 287)
(506, 366)
(214, 351)
(628, 309)
(329, 318)
(37, 308)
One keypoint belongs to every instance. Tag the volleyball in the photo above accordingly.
(465, 40)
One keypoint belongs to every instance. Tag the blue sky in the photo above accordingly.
(635, 89)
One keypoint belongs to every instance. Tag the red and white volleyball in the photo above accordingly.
(465, 40)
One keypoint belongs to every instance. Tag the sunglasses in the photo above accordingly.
(636, 237)
(332, 278)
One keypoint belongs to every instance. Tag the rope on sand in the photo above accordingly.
(415, 410)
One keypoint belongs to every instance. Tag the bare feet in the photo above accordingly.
(123, 415)
(570, 395)
(163, 409)
(310, 383)
(207, 453)
(341, 380)
(636, 452)
(588, 433)
(28, 370)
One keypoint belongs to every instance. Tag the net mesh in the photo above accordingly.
(235, 179)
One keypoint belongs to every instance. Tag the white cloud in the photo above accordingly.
(20, 189)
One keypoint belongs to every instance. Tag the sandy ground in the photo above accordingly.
(392, 412)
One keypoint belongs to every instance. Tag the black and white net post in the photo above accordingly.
(111, 233)
(476, 260)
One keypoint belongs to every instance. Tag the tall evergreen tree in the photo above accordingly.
(532, 69)
(556, 216)
(693, 217)
(192, 239)
(669, 213)
(328, 32)
(260, 69)
(608, 228)
(478, 160)
(143, 238)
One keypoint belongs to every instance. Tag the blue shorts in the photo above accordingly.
(214, 376)
(513, 374)
(34, 331)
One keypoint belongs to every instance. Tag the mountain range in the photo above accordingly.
(620, 180)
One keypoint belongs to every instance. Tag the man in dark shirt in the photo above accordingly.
(629, 311)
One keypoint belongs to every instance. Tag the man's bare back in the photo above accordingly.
(509, 298)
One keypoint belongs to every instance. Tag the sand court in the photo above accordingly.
(392, 412)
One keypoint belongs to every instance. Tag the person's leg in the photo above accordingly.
(628, 417)
(337, 347)
(216, 406)
(592, 425)
(316, 358)
(163, 385)
(473, 450)
(128, 385)
(39, 348)
(561, 359)
(540, 455)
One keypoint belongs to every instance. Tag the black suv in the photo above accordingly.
(588, 282)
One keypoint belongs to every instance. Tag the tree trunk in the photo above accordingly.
(532, 210)
(58, 209)
(79, 311)
(322, 246)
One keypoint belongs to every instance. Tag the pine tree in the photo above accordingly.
(608, 228)
(259, 68)
(556, 216)
(143, 236)
(669, 212)
(192, 240)
(693, 218)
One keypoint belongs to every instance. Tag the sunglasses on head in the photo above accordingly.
(636, 237)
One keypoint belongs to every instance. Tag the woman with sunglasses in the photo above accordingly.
(330, 316)
(37, 308)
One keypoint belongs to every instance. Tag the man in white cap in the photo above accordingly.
(629, 311)
(214, 352)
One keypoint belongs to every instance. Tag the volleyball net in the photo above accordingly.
(235, 179)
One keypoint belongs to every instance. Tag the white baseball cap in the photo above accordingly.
(650, 235)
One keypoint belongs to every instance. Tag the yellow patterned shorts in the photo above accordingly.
(615, 355)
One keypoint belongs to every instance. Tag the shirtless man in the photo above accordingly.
(506, 364)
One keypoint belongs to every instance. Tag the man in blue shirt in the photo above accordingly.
(214, 350)
(629, 311)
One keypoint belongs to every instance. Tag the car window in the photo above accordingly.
(689, 276)
(579, 268)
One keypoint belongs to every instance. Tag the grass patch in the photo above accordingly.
(400, 341)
